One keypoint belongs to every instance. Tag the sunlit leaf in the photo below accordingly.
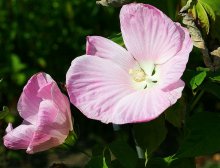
(198, 79)
(208, 14)
(203, 17)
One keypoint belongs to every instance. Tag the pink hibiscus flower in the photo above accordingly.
(46, 114)
(115, 85)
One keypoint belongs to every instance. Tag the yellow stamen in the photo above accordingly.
(138, 75)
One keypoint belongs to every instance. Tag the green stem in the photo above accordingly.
(196, 100)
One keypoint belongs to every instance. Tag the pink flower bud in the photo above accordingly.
(46, 114)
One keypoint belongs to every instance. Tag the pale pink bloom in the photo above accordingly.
(112, 84)
(46, 114)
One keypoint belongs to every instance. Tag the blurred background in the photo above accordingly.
(46, 36)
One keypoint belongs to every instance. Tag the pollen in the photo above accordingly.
(138, 75)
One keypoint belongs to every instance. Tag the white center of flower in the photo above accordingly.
(144, 76)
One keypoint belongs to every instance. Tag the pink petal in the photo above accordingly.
(20, 137)
(172, 70)
(174, 91)
(9, 128)
(107, 49)
(28, 103)
(51, 128)
(95, 85)
(45, 91)
(149, 34)
(51, 120)
(146, 105)
(64, 105)
(52, 92)
(42, 142)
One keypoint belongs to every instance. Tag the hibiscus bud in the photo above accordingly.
(46, 113)
(115, 3)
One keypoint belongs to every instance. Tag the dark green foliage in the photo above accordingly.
(202, 135)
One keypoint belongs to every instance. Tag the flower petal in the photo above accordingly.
(64, 105)
(42, 142)
(19, 138)
(51, 129)
(107, 49)
(174, 91)
(146, 105)
(172, 70)
(9, 128)
(28, 103)
(148, 33)
(95, 85)
(51, 120)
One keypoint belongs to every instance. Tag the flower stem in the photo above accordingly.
(196, 100)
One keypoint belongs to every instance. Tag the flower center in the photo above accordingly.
(144, 75)
(138, 75)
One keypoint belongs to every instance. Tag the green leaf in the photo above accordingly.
(202, 136)
(203, 17)
(212, 8)
(4, 113)
(170, 162)
(97, 162)
(117, 38)
(215, 76)
(17, 65)
(71, 139)
(208, 9)
(197, 80)
(208, 14)
(183, 163)
(175, 114)
(157, 163)
(212, 88)
(150, 135)
(124, 153)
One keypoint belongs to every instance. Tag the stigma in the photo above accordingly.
(138, 75)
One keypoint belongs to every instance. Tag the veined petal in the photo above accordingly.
(174, 91)
(41, 142)
(48, 133)
(64, 105)
(149, 34)
(107, 49)
(29, 102)
(52, 121)
(146, 105)
(172, 70)
(20, 137)
(95, 85)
